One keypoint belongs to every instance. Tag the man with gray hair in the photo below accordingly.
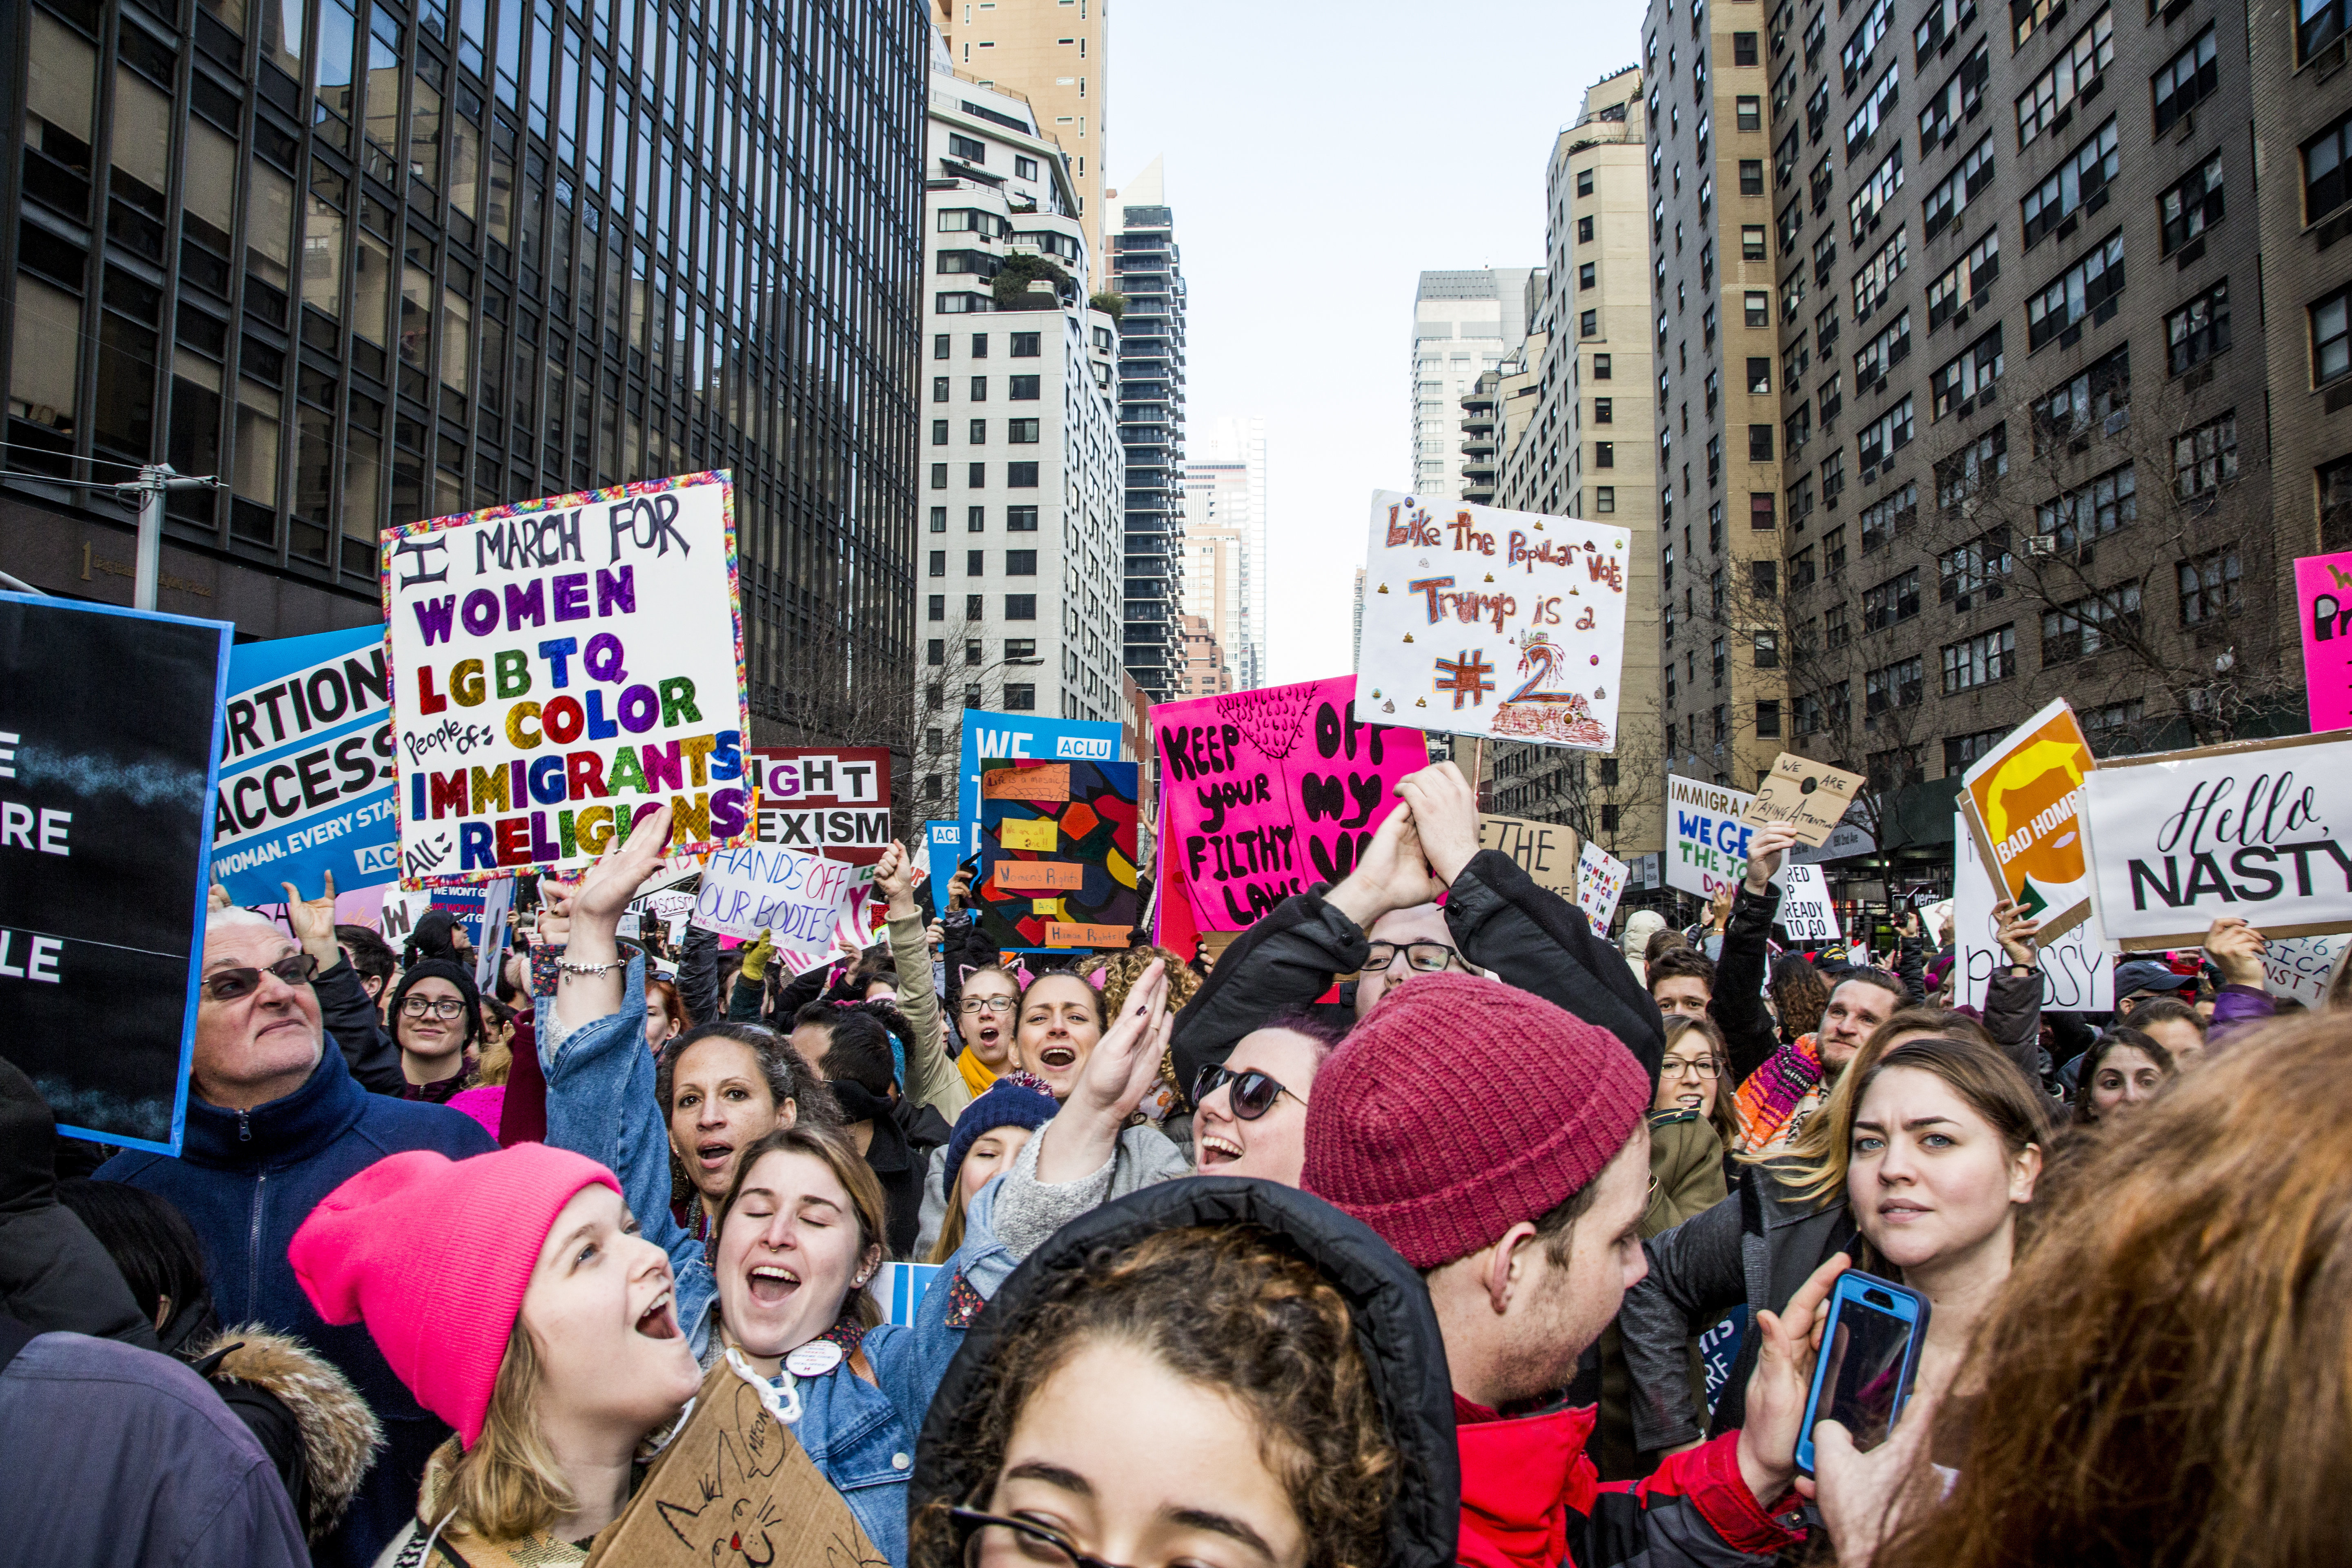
(276, 1122)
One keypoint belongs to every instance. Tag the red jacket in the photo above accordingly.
(1530, 1498)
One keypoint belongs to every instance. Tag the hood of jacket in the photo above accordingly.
(284, 1131)
(336, 1435)
(29, 1181)
(1394, 1325)
(1640, 927)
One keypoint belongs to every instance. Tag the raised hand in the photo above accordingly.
(608, 886)
(1445, 816)
(1120, 1072)
(2236, 949)
(894, 876)
(1394, 873)
(2017, 933)
(313, 920)
(1772, 841)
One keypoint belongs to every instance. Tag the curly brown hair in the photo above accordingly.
(1230, 1307)
(1120, 971)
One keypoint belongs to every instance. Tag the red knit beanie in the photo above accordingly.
(435, 1254)
(1462, 1106)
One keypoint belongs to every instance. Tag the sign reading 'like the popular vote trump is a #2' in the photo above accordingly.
(1480, 622)
(562, 669)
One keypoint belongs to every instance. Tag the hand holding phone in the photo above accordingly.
(1868, 1362)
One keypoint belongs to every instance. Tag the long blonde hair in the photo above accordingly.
(508, 1485)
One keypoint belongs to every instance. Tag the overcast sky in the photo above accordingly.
(1318, 156)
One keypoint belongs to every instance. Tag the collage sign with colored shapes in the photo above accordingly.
(1057, 848)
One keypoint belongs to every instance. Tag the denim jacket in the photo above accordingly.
(601, 1103)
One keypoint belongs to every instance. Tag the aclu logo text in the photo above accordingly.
(1084, 748)
(375, 857)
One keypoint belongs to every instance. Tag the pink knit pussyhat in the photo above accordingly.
(434, 1255)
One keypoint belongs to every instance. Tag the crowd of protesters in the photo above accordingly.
(1394, 1236)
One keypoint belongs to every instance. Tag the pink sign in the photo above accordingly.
(1267, 793)
(2323, 602)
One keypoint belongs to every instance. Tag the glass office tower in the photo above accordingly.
(372, 261)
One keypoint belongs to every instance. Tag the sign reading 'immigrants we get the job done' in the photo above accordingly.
(560, 669)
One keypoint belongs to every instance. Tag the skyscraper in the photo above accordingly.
(1225, 542)
(1147, 272)
(370, 263)
(1463, 324)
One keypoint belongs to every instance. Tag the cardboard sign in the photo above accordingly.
(1484, 622)
(2077, 975)
(1546, 851)
(561, 667)
(1707, 835)
(1600, 883)
(734, 1487)
(111, 737)
(1024, 737)
(1038, 876)
(2322, 603)
(1049, 782)
(1811, 796)
(2023, 802)
(1092, 832)
(799, 900)
(307, 767)
(2296, 967)
(835, 802)
(1806, 912)
(1265, 792)
(2261, 829)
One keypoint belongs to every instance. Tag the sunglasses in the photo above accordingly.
(1254, 1092)
(228, 984)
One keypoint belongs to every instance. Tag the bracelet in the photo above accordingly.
(570, 968)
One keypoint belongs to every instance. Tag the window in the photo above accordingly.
(1604, 500)
(1021, 519)
(940, 345)
(1589, 324)
(1757, 307)
(968, 220)
(1895, 769)
(2206, 459)
(1964, 282)
(975, 520)
(2086, 54)
(1862, 208)
(2192, 205)
(939, 563)
(1976, 574)
(1767, 720)
(2091, 512)
(1025, 345)
(2078, 183)
(1751, 242)
(1979, 462)
(1743, 49)
(1604, 454)
(2199, 329)
(1019, 606)
(976, 474)
(1020, 696)
(1979, 660)
(1584, 182)
(1895, 600)
(1884, 436)
(2090, 625)
(980, 345)
(1759, 375)
(975, 562)
(1587, 276)
(1020, 475)
(1956, 101)
(1601, 367)
(937, 609)
(1836, 629)
(1890, 348)
(1863, 122)
(1024, 389)
(1021, 432)
(1717, 662)
(980, 389)
(1958, 384)
(1855, 56)
(978, 433)
(1604, 411)
(2334, 482)
(2107, 726)
(938, 475)
(2320, 25)
(967, 149)
(1748, 110)
(1898, 685)
(2101, 394)
(2326, 184)
(1764, 578)
(939, 520)
(1762, 504)
(1960, 751)
(1883, 519)
(2331, 347)
(2187, 79)
(1953, 193)
(1833, 477)
(1876, 275)
(2209, 589)
(1751, 176)
(939, 389)
(1800, 502)
(2089, 288)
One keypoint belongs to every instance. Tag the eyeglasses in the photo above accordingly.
(228, 984)
(1253, 1091)
(425, 1007)
(990, 1541)
(1675, 1067)
(985, 1005)
(1428, 957)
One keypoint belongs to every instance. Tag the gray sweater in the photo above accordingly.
(1028, 1211)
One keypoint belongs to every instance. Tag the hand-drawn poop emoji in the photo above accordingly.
(1421, 701)
(1388, 707)
(1600, 692)
(1408, 636)
(1490, 576)
(1384, 587)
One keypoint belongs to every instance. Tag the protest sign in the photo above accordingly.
(2077, 975)
(1089, 829)
(307, 766)
(1806, 912)
(799, 900)
(402, 909)
(1846, 840)
(1600, 883)
(1466, 603)
(1546, 851)
(110, 748)
(2296, 967)
(560, 669)
(1811, 796)
(2322, 602)
(899, 1289)
(1024, 737)
(945, 841)
(2261, 829)
(833, 801)
(1707, 835)
(1267, 792)
(498, 914)
(2023, 802)
(734, 1486)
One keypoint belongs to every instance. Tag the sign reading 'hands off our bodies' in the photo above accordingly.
(1481, 622)
(560, 669)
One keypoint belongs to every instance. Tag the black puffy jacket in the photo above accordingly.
(1395, 1327)
(54, 1275)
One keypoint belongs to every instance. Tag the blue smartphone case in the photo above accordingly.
(1894, 1300)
